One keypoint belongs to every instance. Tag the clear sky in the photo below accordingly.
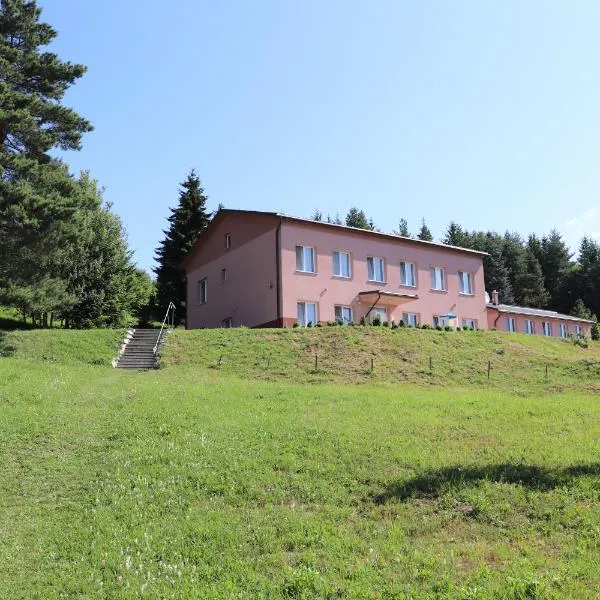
(487, 113)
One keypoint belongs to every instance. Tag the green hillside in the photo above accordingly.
(263, 477)
(346, 355)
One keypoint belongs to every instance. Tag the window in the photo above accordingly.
(547, 328)
(375, 269)
(227, 241)
(439, 321)
(564, 331)
(307, 313)
(511, 324)
(466, 282)
(305, 259)
(578, 329)
(438, 278)
(378, 312)
(202, 291)
(529, 327)
(407, 274)
(223, 275)
(227, 323)
(343, 314)
(341, 264)
(410, 319)
(470, 323)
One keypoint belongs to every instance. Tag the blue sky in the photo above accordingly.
(486, 113)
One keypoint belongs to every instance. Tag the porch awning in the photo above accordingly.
(383, 298)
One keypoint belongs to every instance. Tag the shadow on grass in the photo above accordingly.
(434, 483)
(5, 348)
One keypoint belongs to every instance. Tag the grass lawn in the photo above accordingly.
(197, 481)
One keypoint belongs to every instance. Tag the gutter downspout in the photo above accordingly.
(374, 303)
(278, 270)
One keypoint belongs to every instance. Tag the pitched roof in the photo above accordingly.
(535, 312)
(353, 229)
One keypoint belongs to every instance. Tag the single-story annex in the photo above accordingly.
(264, 269)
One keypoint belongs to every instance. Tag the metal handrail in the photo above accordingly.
(170, 308)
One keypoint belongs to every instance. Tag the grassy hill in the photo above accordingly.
(345, 355)
(262, 476)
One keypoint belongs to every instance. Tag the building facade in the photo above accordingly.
(263, 269)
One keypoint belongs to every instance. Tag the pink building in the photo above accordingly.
(263, 269)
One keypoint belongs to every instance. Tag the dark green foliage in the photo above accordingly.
(317, 215)
(531, 283)
(357, 218)
(376, 322)
(424, 233)
(402, 229)
(455, 236)
(187, 223)
(595, 331)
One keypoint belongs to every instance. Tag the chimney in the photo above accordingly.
(495, 298)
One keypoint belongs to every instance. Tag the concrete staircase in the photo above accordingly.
(138, 351)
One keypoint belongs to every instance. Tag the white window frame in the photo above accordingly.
(227, 241)
(439, 321)
(381, 311)
(433, 274)
(547, 328)
(203, 291)
(343, 309)
(340, 254)
(405, 280)
(408, 319)
(303, 320)
(301, 256)
(511, 324)
(470, 323)
(464, 277)
(529, 326)
(578, 329)
(372, 271)
(563, 330)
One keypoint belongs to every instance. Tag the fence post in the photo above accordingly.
(546, 372)
(316, 362)
(431, 363)
(489, 367)
(372, 364)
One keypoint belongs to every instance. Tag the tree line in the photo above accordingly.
(63, 251)
(535, 271)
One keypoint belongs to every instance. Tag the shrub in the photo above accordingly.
(595, 331)
(309, 324)
(385, 324)
(331, 323)
(402, 323)
(448, 328)
(351, 324)
(465, 328)
(426, 326)
(296, 325)
(394, 326)
(319, 324)
(376, 322)
(438, 328)
(363, 321)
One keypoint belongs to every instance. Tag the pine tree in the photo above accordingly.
(402, 230)
(455, 236)
(495, 271)
(581, 311)
(357, 218)
(187, 223)
(531, 283)
(35, 188)
(555, 260)
(317, 215)
(424, 233)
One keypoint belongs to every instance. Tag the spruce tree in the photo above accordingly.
(556, 264)
(455, 236)
(531, 283)
(402, 230)
(495, 272)
(424, 233)
(357, 218)
(187, 223)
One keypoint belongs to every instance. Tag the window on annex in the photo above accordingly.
(227, 323)
(227, 241)
(438, 278)
(410, 319)
(564, 330)
(470, 323)
(465, 282)
(547, 328)
(341, 264)
(511, 324)
(343, 314)
(307, 313)
(202, 291)
(407, 274)
(529, 327)
(305, 259)
(578, 329)
(375, 269)
(378, 312)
